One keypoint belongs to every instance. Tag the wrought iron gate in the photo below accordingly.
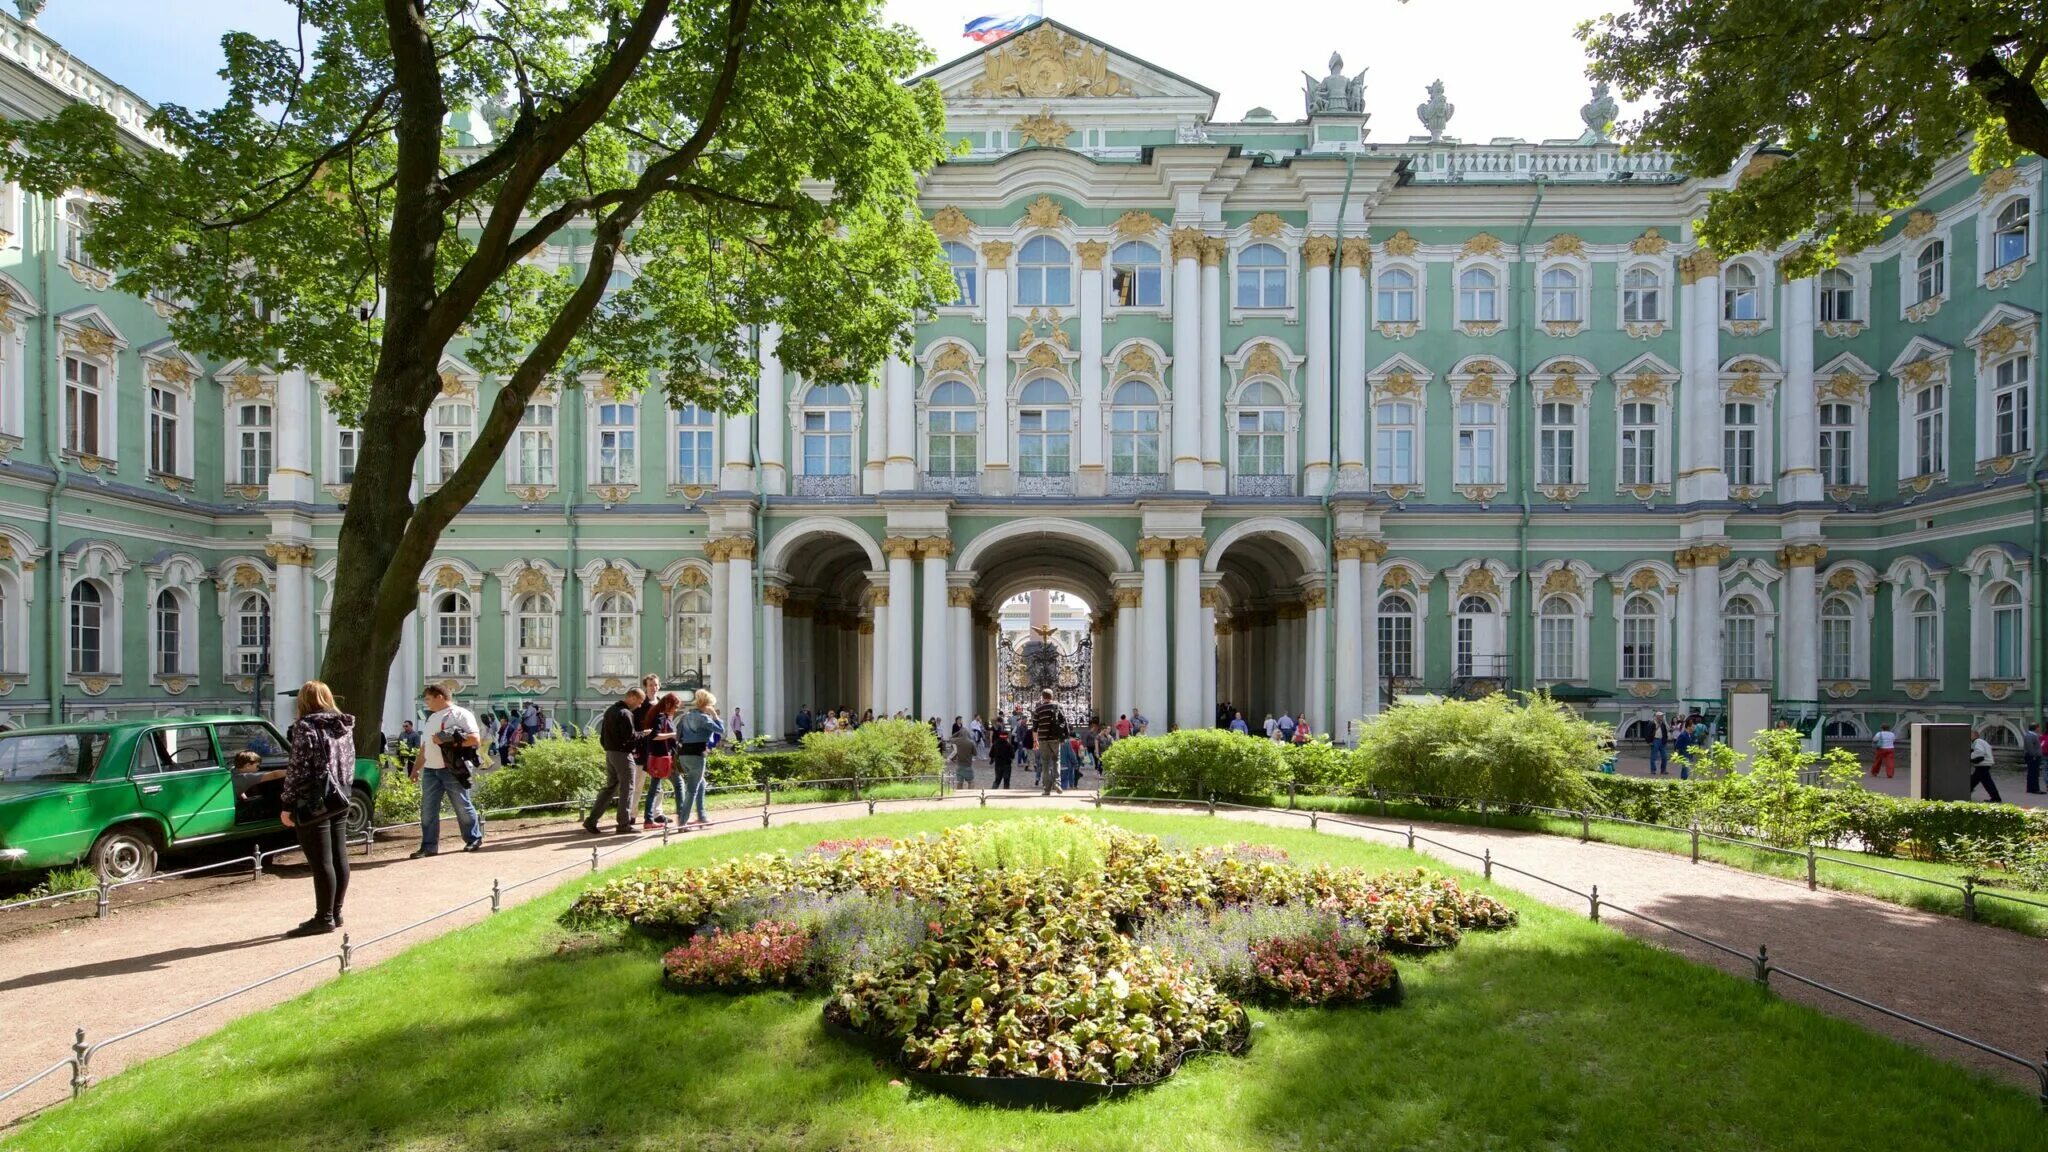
(1062, 661)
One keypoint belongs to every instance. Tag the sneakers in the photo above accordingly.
(590, 828)
(473, 846)
(421, 854)
(652, 825)
(317, 926)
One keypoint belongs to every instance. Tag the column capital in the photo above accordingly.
(774, 595)
(996, 252)
(1357, 252)
(1212, 597)
(1364, 549)
(1190, 547)
(1128, 597)
(935, 547)
(1701, 556)
(723, 548)
(900, 547)
(1213, 248)
(1291, 611)
(1091, 253)
(289, 555)
(877, 596)
(1187, 243)
(1155, 547)
(1316, 597)
(960, 597)
(1701, 264)
(1801, 555)
(867, 626)
(1318, 251)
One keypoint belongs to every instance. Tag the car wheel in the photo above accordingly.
(360, 814)
(122, 854)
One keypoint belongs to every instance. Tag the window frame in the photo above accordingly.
(1162, 278)
(1280, 272)
(929, 407)
(969, 299)
(808, 404)
(1115, 411)
(1018, 433)
(1041, 272)
(703, 436)
(615, 460)
(547, 433)
(1659, 289)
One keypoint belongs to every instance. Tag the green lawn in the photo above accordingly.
(1560, 1034)
(1835, 866)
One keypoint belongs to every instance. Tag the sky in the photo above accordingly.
(1511, 67)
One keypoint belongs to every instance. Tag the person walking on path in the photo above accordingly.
(1285, 726)
(1070, 763)
(1660, 745)
(2030, 741)
(1002, 753)
(1138, 722)
(1884, 749)
(1237, 724)
(960, 750)
(447, 757)
(618, 737)
(1047, 727)
(315, 795)
(699, 730)
(659, 761)
(1123, 725)
(1980, 768)
(739, 727)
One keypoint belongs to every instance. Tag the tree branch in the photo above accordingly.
(2026, 118)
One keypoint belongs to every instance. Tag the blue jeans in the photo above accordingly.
(691, 768)
(1660, 758)
(434, 783)
(651, 807)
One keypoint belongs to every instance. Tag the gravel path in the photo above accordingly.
(156, 958)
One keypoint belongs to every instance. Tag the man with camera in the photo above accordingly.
(447, 761)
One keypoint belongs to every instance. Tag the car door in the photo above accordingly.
(179, 776)
(259, 805)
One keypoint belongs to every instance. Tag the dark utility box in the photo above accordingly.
(1941, 761)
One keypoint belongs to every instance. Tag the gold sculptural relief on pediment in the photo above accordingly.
(1044, 63)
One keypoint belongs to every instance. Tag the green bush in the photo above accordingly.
(1320, 766)
(878, 750)
(752, 767)
(550, 770)
(398, 795)
(1635, 798)
(1196, 764)
(1512, 754)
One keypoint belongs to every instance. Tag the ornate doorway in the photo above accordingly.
(1045, 642)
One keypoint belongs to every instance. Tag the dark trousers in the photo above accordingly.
(620, 777)
(2033, 772)
(1002, 779)
(325, 843)
(1980, 774)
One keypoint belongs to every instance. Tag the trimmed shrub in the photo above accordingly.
(554, 769)
(878, 750)
(1320, 766)
(1196, 764)
(1513, 754)
(1653, 801)
(398, 795)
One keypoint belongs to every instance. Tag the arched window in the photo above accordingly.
(1394, 301)
(1841, 730)
(1045, 429)
(1739, 640)
(1837, 296)
(618, 651)
(454, 634)
(1930, 272)
(1837, 639)
(1557, 443)
(1261, 277)
(87, 631)
(1261, 430)
(1478, 296)
(1926, 620)
(536, 639)
(170, 633)
(1740, 298)
(1134, 275)
(1134, 430)
(252, 634)
(2008, 634)
(1560, 296)
(966, 273)
(1045, 274)
(828, 431)
(1837, 444)
(1397, 636)
(1475, 644)
(1642, 296)
(952, 421)
(2009, 234)
(696, 461)
(1639, 638)
(1393, 442)
(691, 609)
(1557, 639)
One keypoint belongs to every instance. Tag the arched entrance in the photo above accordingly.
(1043, 589)
(1045, 642)
(1271, 621)
(822, 609)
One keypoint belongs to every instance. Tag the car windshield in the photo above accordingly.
(50, 756)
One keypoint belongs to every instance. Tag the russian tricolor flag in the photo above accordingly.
(988, 29)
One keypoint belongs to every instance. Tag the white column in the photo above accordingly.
(1124, 694)
(291, 479)
(1187, 361)
(996, 479)
(899, 473)
(1092, 477)
(1801, 615)
(902, 621)
(878, 670)
(805, 658)
(1187, 632)
(402, 687)
(736, 444)
(1351, 414)
(874, 416)
(774, 476)
(1153, 650)
(1212, 373)
(775, 714)
(1701, 586)
(1370, 554)
(864, 656)
(1317, 252)
(1315, 698)
(737, 694)
(1799, 479)
(960, 668)
(937, 676)
(1211, 595)
(290, 664)
(721, 599)
(1700, 476)
(1348, 706)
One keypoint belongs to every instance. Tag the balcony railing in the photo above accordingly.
(827, 485)
(1045, 484)
(1126, 484)
(954, 483)
(1279, 484)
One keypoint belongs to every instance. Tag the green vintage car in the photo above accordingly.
(120, 794)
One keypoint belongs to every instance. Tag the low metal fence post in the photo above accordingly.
(81, 1077)
(1382, 798)
(1212, 803)
(1312, 820)
(348, 954)
(1812, 868)
(856, 785)
(256, 855)
(1695, 841)
(1482, 813)
(1486, 861)
(1969, 898)
(1411, 837)
(1290, 795)
(871, 807)
(105, 906)
(1762, 966)
(984, 798)
(593, 859)
(767, 791)
(1585, 826)
(1098, 795)
(1593, 903)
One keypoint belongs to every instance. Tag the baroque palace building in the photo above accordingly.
(1302, 412)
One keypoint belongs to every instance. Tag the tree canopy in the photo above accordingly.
(385, 191)
(1860, 100)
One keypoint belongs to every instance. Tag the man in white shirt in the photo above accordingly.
(443, 766)
(1980, 768)
(1884, 749)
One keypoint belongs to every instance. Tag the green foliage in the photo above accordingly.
(1068, 850)
(877, 750)
(2009, 862)
(398, 794)
(1321, 766)
(549, 770)
(1196, 764)
(1865, 99)
(73, 878)
(1494, 749)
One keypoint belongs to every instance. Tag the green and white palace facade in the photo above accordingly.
(1302, 411)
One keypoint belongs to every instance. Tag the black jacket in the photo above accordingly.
(615, 731)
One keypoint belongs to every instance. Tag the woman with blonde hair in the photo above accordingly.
(694, 734)
(317, 779)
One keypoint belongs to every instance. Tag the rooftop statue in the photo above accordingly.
(1335, 92)
(1599, 114)
(1435, 113)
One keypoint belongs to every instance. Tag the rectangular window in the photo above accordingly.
(170, 636)
(1642, 297)
(1556, 649)
(1136, 286)
(1837, 647)
(828, 442)
(618, 449)
(1739, 648)
(1638, 444)
(1475, 456)
(81, 407)
(1557, 446)
(347, 441)
(454, 425)
(2011, 403)
(1738, 444)
(1397, 644)
(1638, 647)
(695, 463)
(253, 443)
(163, 432)
(1044, 441)
(951, 445)
(1393, 444)
(1926, 641)
(1134, 442)
(1262, 443)
(536, 644)
(535, 446)
(2008, 643)
(1930, 436)
(77, 227)
(1837, 444)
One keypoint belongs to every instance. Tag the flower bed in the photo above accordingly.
(1051, 950)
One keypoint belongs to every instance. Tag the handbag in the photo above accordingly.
(331, 805)
(659, 767)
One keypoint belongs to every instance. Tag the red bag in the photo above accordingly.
(659, 767)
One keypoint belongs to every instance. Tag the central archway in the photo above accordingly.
(1069, 568)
